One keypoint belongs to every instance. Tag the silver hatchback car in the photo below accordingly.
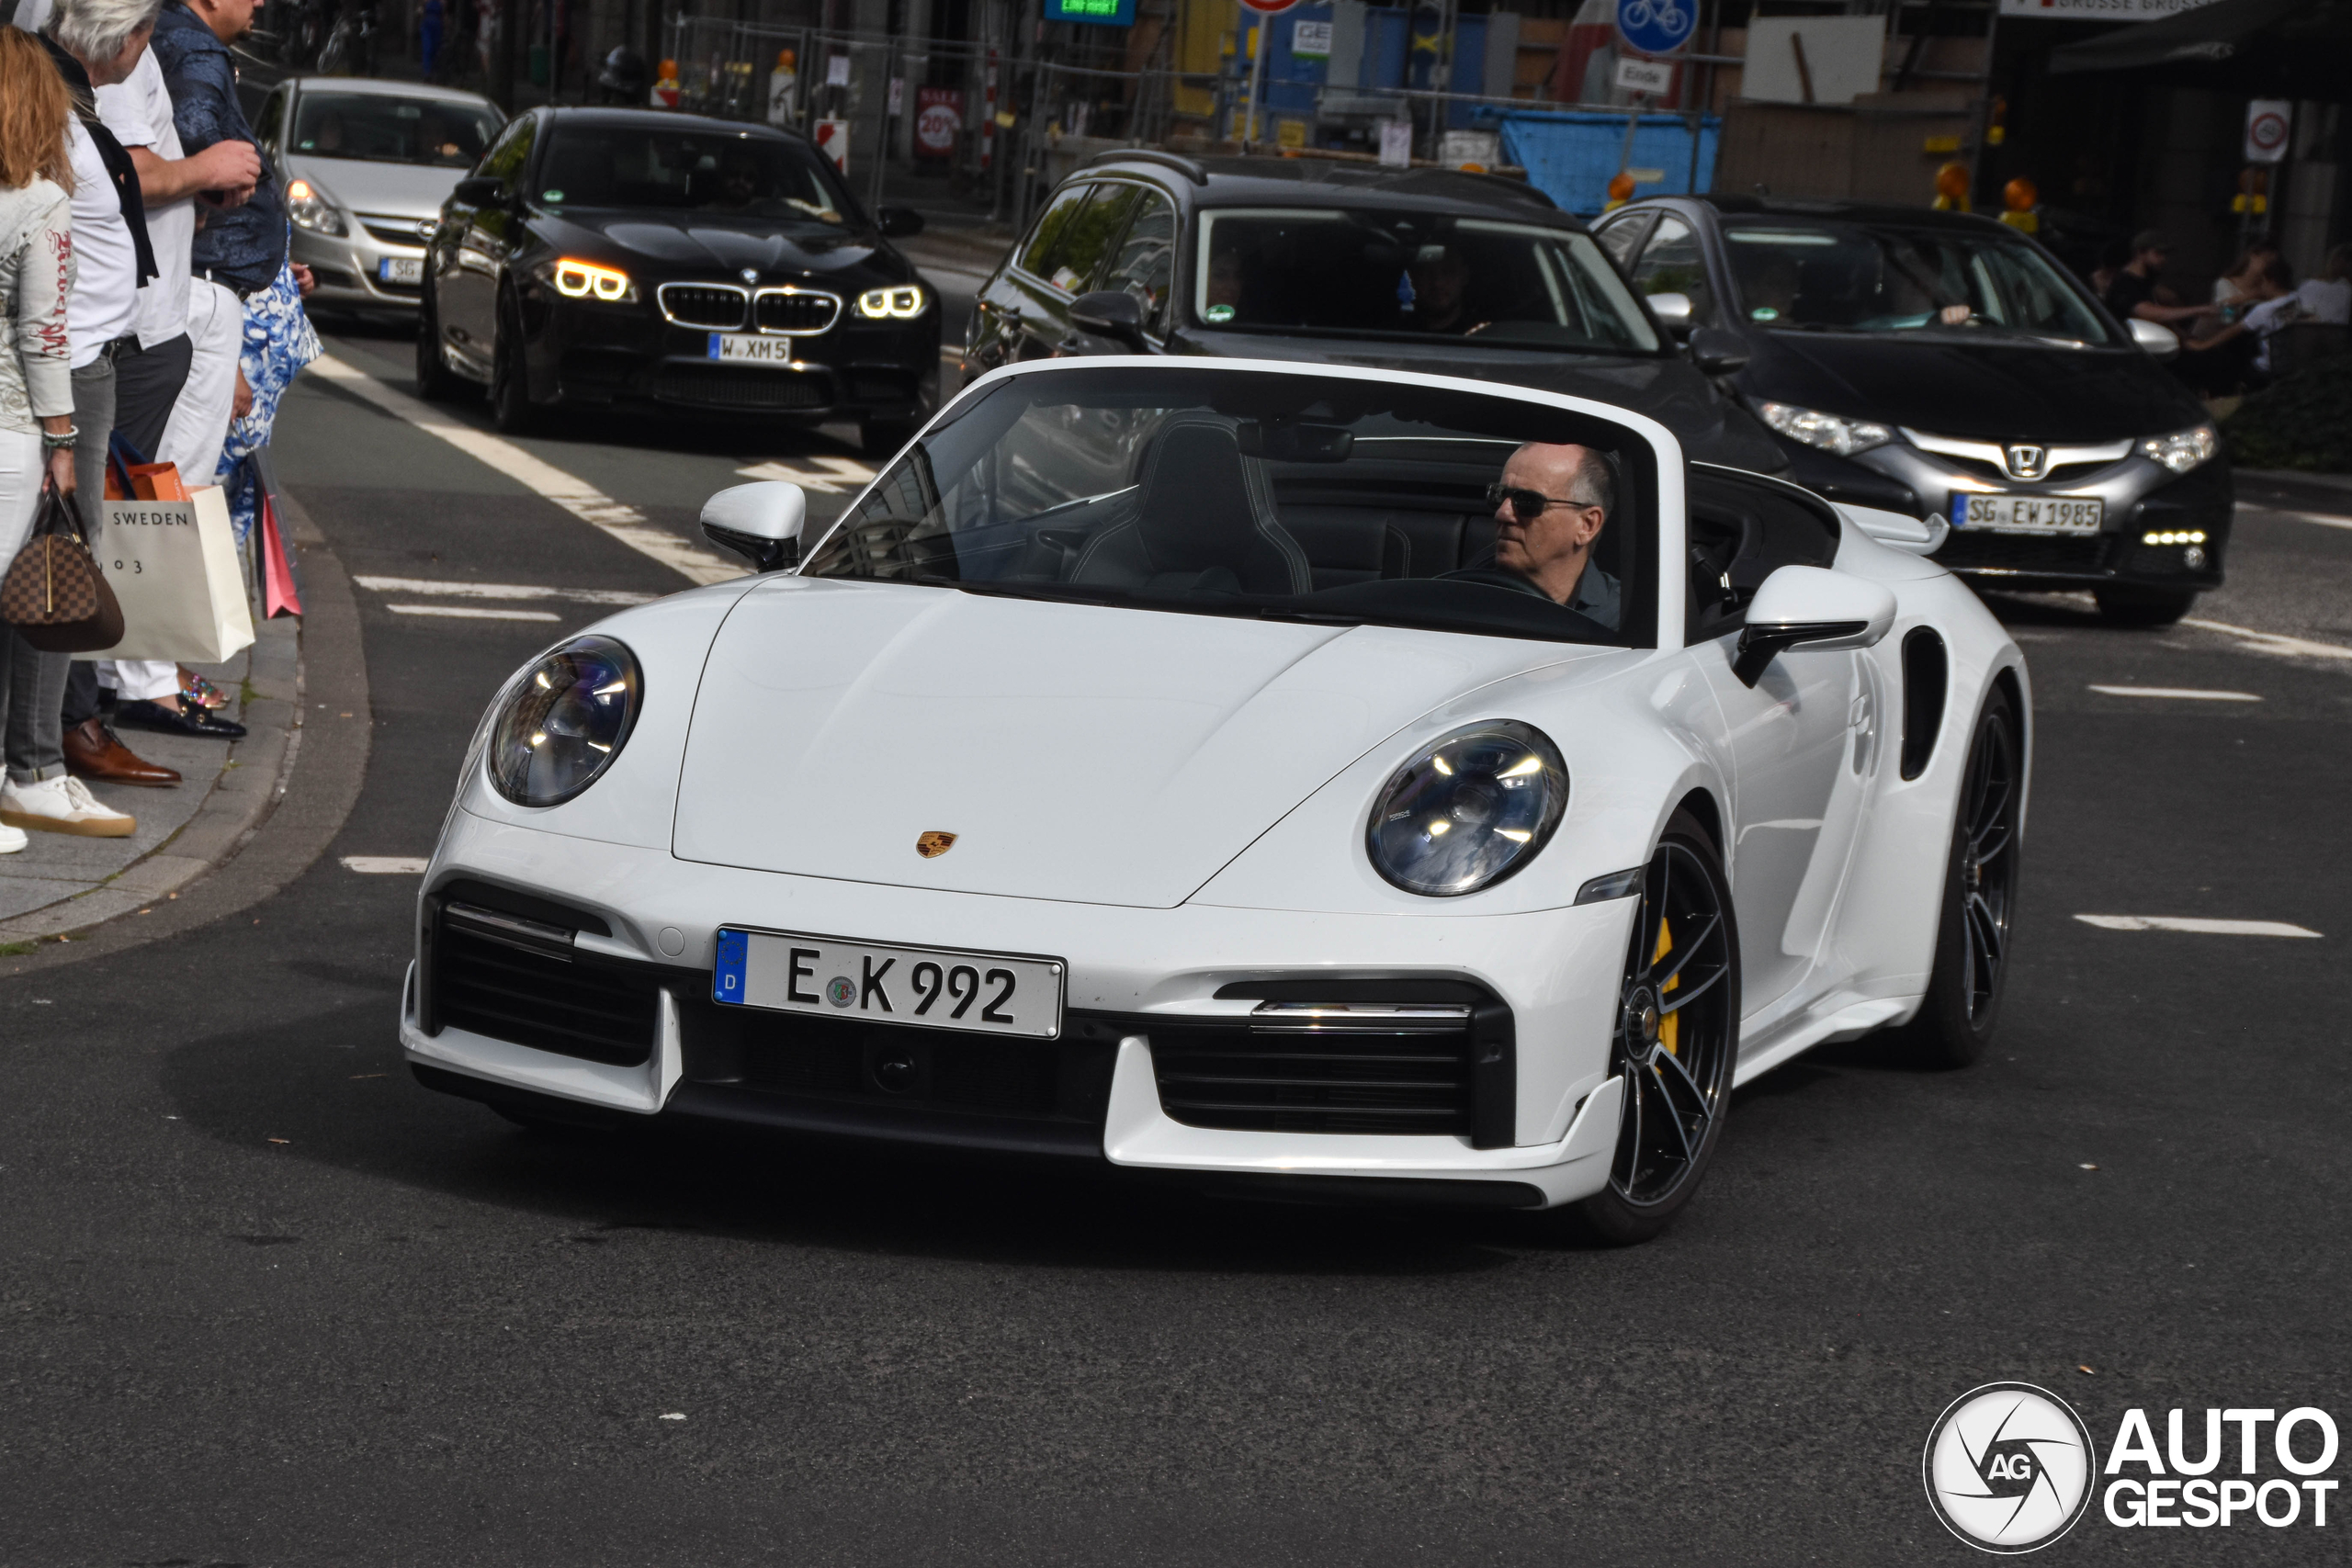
(367, 165)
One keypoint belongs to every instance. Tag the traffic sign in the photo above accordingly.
(1655, 27)
(1269, 8)
(2267, 121)
(1655, 77)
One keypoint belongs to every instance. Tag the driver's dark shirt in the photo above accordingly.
(1597, 596)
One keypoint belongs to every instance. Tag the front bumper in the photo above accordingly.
(351, 269)
(2139, 498)
(619, 1023)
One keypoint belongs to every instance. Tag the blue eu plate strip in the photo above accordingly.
(727, 975)
(1960, 511)
(712, 351)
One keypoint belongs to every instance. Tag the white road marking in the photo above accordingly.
(2325, 519)
(836, 476)
(623, 523)
(2272, 642)
(384, 866)
(502, 590)
(2185, 692)
(472, 612)
(2192, 924)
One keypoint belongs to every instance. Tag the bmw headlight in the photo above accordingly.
(576, 279)
(1830, 432)
(903, 303)
(312, 208)
(561, 725)
(1469, 810)
(2184, 449)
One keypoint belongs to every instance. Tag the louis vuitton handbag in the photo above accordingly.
(54, 595)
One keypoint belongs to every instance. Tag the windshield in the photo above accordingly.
(1389, 274)
(1222, 491)
(690, 171)
(384, 128)
(1879, 278)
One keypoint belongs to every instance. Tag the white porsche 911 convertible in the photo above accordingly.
(1358, 783)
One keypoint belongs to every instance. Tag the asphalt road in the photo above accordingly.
(265, 1301)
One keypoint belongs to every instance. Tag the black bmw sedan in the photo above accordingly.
(1346, 264)
(620, 256)
(1943, 365)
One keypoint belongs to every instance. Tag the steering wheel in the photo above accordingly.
(1495, 579)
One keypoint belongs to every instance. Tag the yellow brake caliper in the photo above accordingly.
(1669, 1026)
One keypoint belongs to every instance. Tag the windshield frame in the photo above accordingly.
(1839, 232)
(852, 214)
(1648, 462)
(311, 94)
(1601, 273)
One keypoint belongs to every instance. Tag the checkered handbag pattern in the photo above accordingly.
(54, 594)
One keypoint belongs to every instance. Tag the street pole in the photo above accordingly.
(1256, 74)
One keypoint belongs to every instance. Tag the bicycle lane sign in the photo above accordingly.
(1657, 26)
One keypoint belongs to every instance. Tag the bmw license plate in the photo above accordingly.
(923, 987)
(401, 269)
(2028, 513)
(749, 348)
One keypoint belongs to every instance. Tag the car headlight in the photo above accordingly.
(309, 209)
(1830, 432)
(2184, 449)
(901, 304)
(561, 725)
(1469, 810)
(579, 280)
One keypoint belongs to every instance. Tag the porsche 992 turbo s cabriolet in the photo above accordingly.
(1217, 768)
(612, 257)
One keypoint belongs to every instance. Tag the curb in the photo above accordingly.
(264, 819)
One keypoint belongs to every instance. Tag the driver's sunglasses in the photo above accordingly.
(1527, 505)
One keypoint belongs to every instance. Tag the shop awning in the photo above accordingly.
(2271, 49)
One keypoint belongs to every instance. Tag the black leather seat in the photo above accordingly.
(1204, 520)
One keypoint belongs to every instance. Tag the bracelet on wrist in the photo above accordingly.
(57, 443)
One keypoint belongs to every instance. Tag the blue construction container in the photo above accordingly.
(1571, 156)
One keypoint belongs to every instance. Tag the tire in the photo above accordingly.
(2144, 606)
(436, 383)
(511, 408)
(1978, 908)
(1676, 1041)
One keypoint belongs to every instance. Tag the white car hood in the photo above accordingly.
(398, 190)
(1078, 752)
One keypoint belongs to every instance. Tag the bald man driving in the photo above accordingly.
(1549, 509)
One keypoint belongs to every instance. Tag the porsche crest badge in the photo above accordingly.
(933, 844)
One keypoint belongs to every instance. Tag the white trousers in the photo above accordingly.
(200, 423)
(22, 462)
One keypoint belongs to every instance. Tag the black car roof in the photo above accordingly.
(663, 120)
(1849, 212)
(1319, 181)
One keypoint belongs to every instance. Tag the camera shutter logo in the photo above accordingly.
(2008, 1467)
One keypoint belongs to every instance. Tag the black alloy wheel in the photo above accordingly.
(511, 408)
(436, 382)
(1979, 910)
(2126, 606)
(1676, 1041)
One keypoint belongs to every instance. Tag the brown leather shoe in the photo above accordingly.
(91, 752)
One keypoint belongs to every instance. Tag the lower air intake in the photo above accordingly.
(1303, 1067)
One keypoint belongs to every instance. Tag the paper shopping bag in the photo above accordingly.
(279, 596)
(173, 565)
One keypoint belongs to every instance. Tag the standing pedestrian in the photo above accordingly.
(36, 437)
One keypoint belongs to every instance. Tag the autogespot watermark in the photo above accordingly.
(2010, 1467)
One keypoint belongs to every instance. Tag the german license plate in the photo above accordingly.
(923, 987)
(745, 348)
(401, 269)
(2028, 513)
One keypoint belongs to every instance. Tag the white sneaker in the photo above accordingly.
(11, 840)
(63, 805)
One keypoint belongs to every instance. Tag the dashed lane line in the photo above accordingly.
(472, 612)
(2194, 925)
(2325, 519)
(502, 590)
(2184, 693)
(2272, 642)
(622, 523)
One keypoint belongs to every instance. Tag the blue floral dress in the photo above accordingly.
(278, 342)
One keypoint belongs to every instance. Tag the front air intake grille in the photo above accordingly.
(742, 387)
(802, 312)
(2066, 555)
(718, 306)
(518, 980)
(880, 386)
(1301, 1068)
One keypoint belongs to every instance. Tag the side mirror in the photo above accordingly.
(1717, 352)
(1109, 314)
(758, 522)
(2154, 336)
(479, 190)
(1673, 313)
(1900, 531)
(1809, 606)
(898, 222)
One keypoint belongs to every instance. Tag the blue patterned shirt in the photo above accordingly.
(242, 247)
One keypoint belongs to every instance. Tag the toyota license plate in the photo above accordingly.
(2028, 513)
(746, 348)
(401, 269)
(923, 987)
